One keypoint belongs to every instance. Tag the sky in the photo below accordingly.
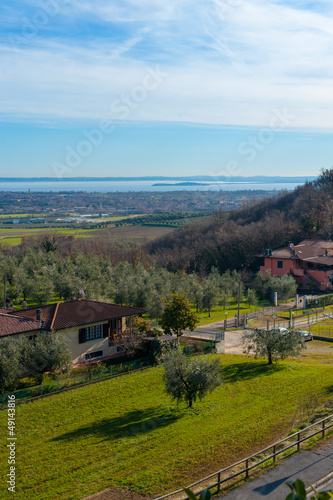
(186, 87)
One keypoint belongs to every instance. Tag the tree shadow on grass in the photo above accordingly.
(246, 371)
(131, 423)
(329, 389)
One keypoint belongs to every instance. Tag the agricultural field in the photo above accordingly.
(134, 233)
(126, 433)
(21, 216)
(13, 236)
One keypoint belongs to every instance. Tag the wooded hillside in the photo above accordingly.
(231, 240)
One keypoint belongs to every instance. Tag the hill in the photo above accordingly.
(231, 240)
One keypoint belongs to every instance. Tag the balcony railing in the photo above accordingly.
(118, 335)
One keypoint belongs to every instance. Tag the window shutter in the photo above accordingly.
(82, 335)
(105, 330)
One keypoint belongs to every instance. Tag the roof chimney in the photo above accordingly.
(39, 315)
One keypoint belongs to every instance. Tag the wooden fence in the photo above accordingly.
(267, 456)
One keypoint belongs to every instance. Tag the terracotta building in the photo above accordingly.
(310, 262)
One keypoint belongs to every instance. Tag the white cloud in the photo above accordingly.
(229, 62)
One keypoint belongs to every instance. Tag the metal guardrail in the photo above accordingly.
(276, 449)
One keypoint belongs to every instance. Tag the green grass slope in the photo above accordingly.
(127, 432)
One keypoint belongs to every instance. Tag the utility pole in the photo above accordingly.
(4, 290)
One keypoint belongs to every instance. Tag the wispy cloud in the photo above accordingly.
(228, 62)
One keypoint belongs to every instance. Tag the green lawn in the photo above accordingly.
(218, 313)
(303, 312)
(324, 328)
(126, 432)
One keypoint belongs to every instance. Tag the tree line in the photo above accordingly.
(40, 276)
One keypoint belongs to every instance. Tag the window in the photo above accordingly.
(92, 355)
(280, 264)
(92, 333)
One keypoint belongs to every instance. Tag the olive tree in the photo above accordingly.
(11, 366)
(50, 352)
(187, 379)
(272, 344)
(266, 284)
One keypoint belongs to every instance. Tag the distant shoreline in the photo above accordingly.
(189, 179)
(188, 183)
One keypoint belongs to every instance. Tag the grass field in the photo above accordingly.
(324, 328)
(126, 432)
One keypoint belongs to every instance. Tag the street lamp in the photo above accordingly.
(239, 292)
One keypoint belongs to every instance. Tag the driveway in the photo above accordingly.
(233, 341)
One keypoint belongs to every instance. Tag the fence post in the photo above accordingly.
(323, 429)
(298, 441)
(218, 481)
(274, 451)
(247, 468)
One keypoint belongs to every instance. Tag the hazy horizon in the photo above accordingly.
(136, 88)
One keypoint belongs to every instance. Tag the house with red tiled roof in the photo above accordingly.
(94, 329)
(310, 262)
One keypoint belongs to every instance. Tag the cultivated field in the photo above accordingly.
(14, 236)
(126, 432)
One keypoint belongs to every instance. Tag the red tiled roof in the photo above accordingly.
(283, 253)
(318, 252)
(78, 312)
(298, 272)
(11, 324)
(279, 253)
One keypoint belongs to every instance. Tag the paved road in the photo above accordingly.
(310, 466)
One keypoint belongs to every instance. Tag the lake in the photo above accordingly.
(137, 186)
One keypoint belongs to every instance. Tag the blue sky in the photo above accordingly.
(165, 88)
